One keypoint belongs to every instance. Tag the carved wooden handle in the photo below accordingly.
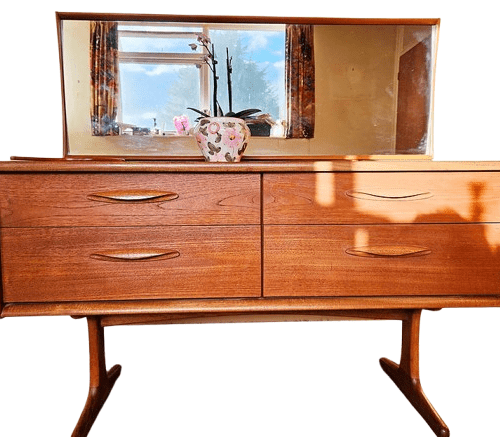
(388, 194)
(134, 255)
(137, 196)
(388, 251)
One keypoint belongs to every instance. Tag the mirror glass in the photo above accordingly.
(322, 89)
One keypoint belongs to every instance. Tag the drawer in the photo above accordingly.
(118, 263)
(382, 197)
(119, 199)
(374, 260)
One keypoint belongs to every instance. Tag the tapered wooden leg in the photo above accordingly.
(406, 374)
(101, 381)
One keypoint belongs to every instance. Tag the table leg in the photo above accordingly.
(101, 381)
(406, 374)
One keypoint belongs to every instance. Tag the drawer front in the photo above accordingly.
(84, 264)
(30, 200)
(364, 198)
(410, 260)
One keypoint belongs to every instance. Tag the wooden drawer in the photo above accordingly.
(84, 264)
(127, 199)
(374, 260)
(392, 197)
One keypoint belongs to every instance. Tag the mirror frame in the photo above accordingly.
(83, 16)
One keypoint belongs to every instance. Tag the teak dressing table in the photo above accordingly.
(148, 241)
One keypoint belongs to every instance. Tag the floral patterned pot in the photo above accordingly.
(222, 139)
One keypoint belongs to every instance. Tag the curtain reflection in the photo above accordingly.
(104, 77)
(300, 80)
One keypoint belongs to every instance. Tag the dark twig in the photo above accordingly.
(210, 60)
(214, 72)
(229, 67)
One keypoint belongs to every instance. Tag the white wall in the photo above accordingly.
(308, 379)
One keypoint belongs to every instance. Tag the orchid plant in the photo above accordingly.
(181, 124)
(211, 61)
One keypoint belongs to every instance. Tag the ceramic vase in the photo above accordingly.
(222, 139)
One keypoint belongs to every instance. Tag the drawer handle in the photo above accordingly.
(388, 194)
(133, 196)
(134, 255)
(388, 251)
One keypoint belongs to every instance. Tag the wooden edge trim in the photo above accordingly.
(161, 319)
(59, 25)
(272, 166)
(257, 305)
(244, 159)
(1, 282)
(243, 19)
(110, 159)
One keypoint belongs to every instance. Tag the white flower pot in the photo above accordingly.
(222, 139)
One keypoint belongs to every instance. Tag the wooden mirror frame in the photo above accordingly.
(61, 16)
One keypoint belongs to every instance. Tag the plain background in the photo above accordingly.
(282, 379)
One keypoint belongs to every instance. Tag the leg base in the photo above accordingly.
(96, 398)
(101, 381)
(412, 389)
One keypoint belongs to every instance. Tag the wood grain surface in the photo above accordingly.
(274, 164)
(333, 198)
(32, 200)
(275, 306)
(70, 264)
(121, 241)
(453, 259)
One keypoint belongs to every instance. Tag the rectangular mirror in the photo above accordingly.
(324, 87)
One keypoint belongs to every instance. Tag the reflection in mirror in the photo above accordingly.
(174, 77)
(323, 89)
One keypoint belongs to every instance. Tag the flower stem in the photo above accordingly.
(214, 71)
(229, 83)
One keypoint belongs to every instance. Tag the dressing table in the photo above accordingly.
(123, 240)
